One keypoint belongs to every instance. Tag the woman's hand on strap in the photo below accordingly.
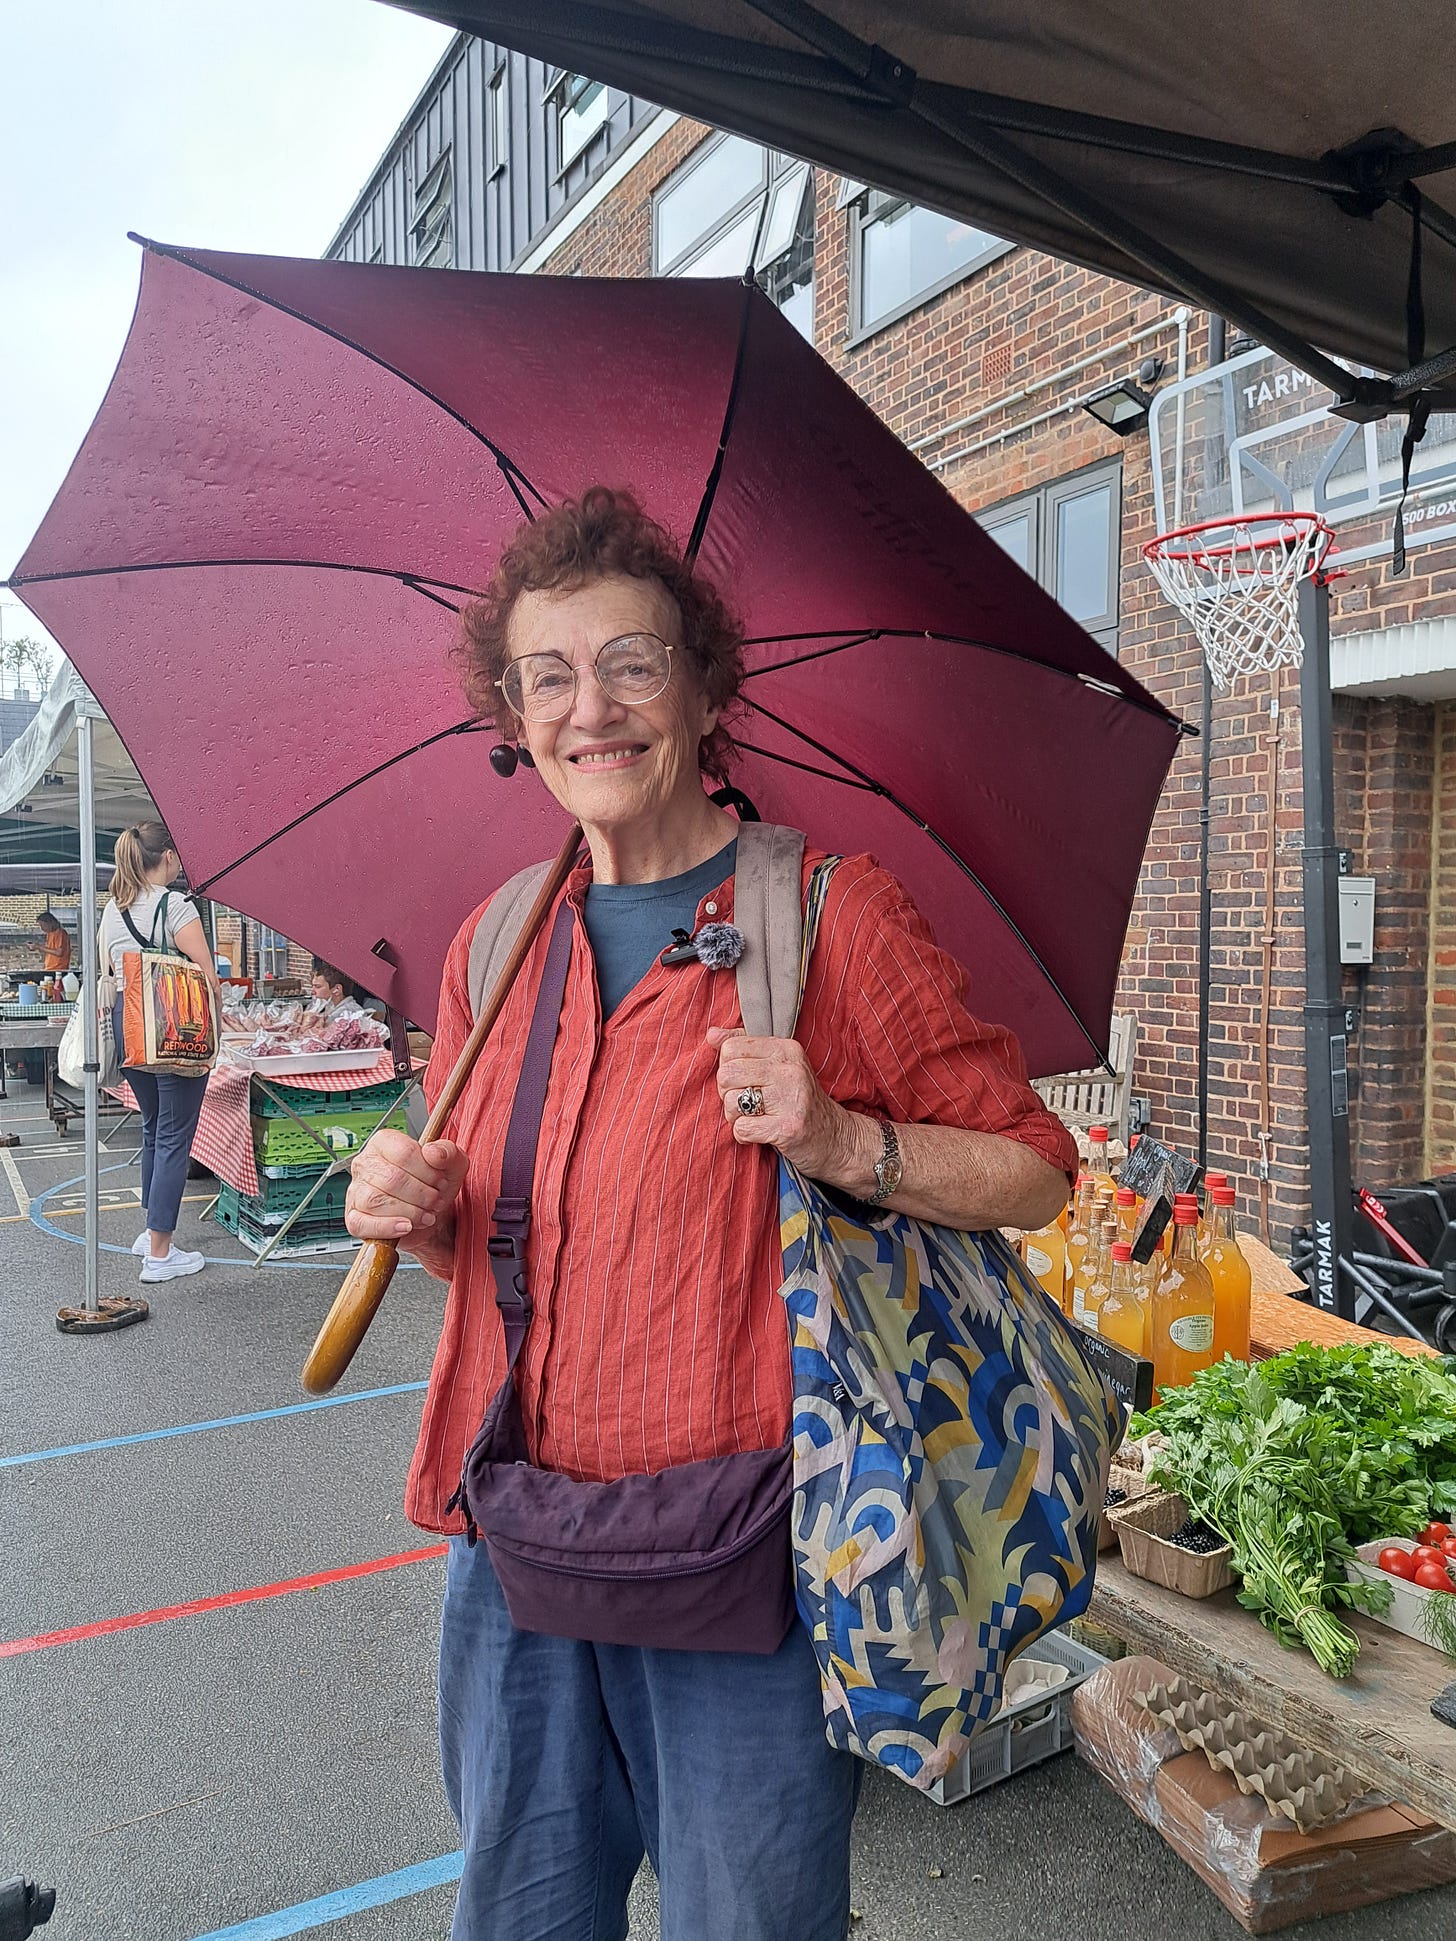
(405, 1192)
(797, 1117)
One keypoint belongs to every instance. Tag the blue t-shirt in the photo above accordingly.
(629, 925)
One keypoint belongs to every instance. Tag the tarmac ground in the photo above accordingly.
(265, 1765)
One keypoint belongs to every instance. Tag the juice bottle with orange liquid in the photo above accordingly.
(1126, 1202)
(1078, 1232)
(1095, 1281)
(1045, 1254)
(1097, 1164)
(1182, 1307)
(1097, 1212)
(1229, 1272)
(1211, 1183)
(1123, 1316)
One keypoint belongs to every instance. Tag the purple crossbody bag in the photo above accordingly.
(696, 1557)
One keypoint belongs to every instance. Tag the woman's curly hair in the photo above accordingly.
(602, 534)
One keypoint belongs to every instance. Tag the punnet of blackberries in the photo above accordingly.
(1113, 1497)
(1197, 1537)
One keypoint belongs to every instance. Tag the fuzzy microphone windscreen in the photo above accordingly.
(719, 945)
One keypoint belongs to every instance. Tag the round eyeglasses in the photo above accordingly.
(631, 669)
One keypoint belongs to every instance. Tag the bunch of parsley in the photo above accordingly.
(1296, 1460)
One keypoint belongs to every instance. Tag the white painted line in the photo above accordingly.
(12, 1173)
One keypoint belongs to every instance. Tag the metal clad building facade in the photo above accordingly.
(495, 149)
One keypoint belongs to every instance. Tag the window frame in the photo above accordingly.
(1042, 504)
(498, 120)
(427, 200)
(560, 95)
(863, 217)
(678, 265)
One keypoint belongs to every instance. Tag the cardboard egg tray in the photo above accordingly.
(1299, 1785)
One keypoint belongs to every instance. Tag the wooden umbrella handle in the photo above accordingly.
(372, 1269)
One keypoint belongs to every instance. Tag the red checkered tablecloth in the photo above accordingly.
(224, 1136)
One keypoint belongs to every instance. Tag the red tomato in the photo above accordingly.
(1448, 1546)
(1396, 1562)
(1435, 1532)
(1426, 1553)
(1434, 1577)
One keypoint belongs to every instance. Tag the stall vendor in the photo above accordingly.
(56, 943)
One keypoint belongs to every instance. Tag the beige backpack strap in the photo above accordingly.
(768, 908)
(499, 926)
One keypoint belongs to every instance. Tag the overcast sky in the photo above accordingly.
(249, 125)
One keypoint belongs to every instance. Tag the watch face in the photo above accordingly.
(890, 1172)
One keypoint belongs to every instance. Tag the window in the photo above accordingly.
(902, 255)
(432, 232)
(1068, 537)
(730, 201)
(581, 109)
(498, 119)
(272, 953)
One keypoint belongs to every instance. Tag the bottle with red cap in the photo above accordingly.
(1123, 1317)
(1182, 1305)
(1211, 1182)
(1228, 1270)
(1126, 1202)
(1097, 1164)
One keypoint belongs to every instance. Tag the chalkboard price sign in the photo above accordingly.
(1128, 1376)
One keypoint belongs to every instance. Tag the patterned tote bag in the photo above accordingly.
(951, 1449)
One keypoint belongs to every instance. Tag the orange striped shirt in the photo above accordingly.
(658, 1335)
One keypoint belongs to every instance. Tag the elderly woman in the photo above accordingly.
(658, 1336)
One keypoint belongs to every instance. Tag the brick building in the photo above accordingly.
(980, 355)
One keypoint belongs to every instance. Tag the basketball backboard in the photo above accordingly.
(1255, 434)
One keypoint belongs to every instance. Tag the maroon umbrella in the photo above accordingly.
(302, 468)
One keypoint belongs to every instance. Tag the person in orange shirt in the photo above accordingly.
(657, 1345)
(57, 944)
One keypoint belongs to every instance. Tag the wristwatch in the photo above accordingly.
(889, 1167)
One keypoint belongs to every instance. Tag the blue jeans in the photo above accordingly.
(170, 1108)
(565, 1762)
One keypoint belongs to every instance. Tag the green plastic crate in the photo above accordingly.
(364, 1098)
(314, 1232)
(281, 1142)
(272, 1206)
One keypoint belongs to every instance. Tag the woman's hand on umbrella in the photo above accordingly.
(402, 1191)
(790, 1109)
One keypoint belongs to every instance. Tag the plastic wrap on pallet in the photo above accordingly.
(1266, 1873)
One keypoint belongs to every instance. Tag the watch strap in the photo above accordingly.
(888, 1164)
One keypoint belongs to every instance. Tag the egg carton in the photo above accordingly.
(1296, 1784)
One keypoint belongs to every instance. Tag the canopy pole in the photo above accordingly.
(89, 1034)
(94, 1316)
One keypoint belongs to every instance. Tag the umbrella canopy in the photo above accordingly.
(301, 470)
(1267, 160)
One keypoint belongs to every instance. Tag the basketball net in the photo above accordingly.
(1236, 583)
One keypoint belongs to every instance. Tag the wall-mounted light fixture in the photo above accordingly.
(1123, 407)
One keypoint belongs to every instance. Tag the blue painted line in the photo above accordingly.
(349, 1900)
(222, 1422)
(337, 1262)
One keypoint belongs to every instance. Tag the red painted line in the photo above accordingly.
(13, 1647)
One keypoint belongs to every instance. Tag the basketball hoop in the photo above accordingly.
(1236, 582)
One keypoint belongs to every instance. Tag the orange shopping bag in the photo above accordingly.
(169, 1023)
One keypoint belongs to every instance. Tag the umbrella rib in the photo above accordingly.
(806, 768)
(878, 788)
(471, 726)
(508, 466)
(411, 580)
(710, 490)
(847, 638)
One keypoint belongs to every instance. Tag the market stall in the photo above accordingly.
(296, 1092)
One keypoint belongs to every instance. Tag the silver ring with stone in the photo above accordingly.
(750, 1102)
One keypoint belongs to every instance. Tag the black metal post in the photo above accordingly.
(1327, 1092)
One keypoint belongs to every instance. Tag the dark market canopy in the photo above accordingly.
(1290, 167)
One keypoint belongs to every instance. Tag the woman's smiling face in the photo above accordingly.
(610, 765)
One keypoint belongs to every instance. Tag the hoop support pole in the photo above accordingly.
(1327, 1092)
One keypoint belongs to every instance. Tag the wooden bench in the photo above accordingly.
(1092, 1098)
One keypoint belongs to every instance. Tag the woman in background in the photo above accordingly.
(142, 913)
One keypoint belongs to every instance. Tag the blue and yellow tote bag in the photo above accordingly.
(951, 1449)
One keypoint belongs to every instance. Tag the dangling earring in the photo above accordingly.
(505, 758)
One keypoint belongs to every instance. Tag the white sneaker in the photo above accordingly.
(143, 1243)
(173, 1264)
